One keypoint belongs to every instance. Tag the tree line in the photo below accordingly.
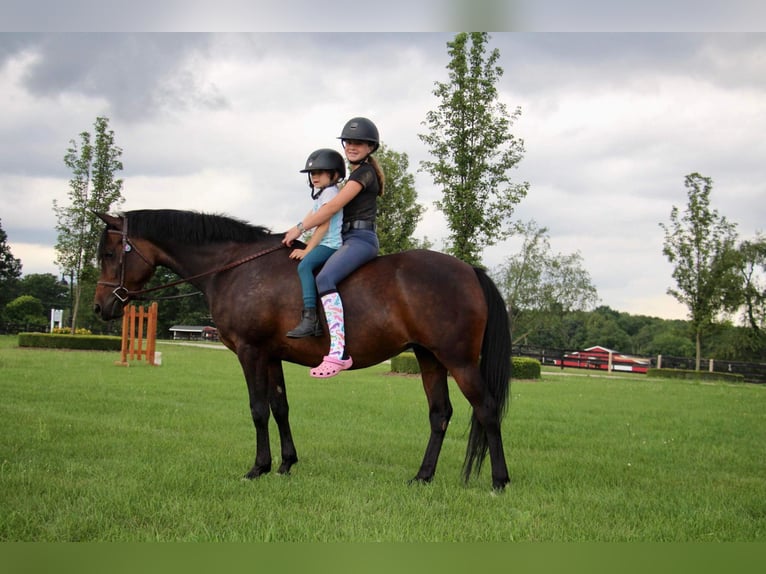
(550, 297)
(32, 296)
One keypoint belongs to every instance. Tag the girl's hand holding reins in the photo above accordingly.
(292, 234)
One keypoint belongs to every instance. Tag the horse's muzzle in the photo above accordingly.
(113, 308)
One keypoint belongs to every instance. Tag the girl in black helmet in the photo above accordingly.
(358, 200)
(325, 168)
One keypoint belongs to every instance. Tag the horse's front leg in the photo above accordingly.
(281, 411)
(255, 366)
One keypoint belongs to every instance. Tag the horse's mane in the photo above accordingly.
(191, 227)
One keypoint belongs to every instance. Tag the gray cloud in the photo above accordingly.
(138, 74)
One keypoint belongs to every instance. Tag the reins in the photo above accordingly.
(232, 265)
(123, 293)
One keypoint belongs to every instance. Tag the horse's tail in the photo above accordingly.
(495, 368)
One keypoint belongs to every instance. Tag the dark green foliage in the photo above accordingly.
(10, 271)
(405, 363)
(398, 209)
(525, 368)
(78, 342)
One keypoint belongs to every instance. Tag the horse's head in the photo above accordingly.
(126, 264)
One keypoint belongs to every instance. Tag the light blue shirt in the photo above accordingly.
(332, 238)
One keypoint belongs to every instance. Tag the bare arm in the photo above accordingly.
(316, 239)
(349, 191)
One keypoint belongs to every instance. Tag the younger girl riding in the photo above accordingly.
(325, 168)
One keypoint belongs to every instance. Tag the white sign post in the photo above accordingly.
(56, 317)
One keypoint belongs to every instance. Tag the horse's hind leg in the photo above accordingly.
(485, 434)
(280, 410)
(434, 376)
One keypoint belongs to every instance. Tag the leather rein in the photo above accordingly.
(124, 294)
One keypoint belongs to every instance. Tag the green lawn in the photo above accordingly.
(90, 451)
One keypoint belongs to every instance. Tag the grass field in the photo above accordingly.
(90, 451)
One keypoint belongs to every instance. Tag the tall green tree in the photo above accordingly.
(469, 137)
(398, 209)
(94, 187)
(750, 266)
(542, 287)
(10, 271)
(699, 243)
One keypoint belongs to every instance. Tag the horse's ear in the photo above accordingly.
(110, 220)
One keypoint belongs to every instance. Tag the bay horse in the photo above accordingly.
(449, 313)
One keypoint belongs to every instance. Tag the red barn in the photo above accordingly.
(600, 357)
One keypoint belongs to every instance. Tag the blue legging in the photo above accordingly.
(359, 247)
(306, 267)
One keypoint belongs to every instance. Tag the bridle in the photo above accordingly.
(124, 294)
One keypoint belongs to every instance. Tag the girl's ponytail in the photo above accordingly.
(379, 172)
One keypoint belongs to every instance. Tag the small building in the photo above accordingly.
(602, 358)
(194, 333)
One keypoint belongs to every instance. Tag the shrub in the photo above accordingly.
(80, 342)
(525, 368)
(686, 374)
(405, 363)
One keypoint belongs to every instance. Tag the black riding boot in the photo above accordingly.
(309, 325)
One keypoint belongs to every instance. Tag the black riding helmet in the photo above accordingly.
(361, 129)
(325, 159)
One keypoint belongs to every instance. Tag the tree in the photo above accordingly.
(93, 188)
(27, 312)
(541, 288)
(521, 275)
(184, 304)
(603, 328)
(750, 266)
(398, 210)
(699, 243)
(52, 293)
(10, 271)
(469, 135)
(670, 344)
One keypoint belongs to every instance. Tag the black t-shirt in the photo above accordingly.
(365, 204)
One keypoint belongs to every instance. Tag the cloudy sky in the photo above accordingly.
(612, 123)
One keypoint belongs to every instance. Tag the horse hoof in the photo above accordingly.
(285, 468)
(420, 480)
(257, 471)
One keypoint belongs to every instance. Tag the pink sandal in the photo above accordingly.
(330, 367)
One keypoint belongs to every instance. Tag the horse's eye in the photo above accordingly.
(108, 254)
